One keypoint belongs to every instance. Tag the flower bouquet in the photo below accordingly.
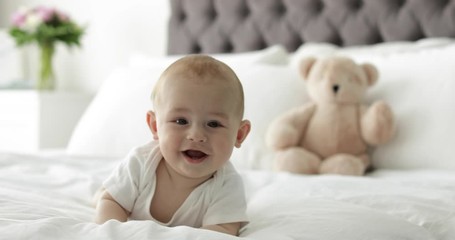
(44, 26)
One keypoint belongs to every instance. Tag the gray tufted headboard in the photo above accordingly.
(221, 26)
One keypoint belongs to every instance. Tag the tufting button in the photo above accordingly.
(196, 48)
(400, 3)
(182, 17)
(357, 4)
(280, 9)
(261, 43)
(211, 14)
(245, 12)
(318, 6)
(228, 47)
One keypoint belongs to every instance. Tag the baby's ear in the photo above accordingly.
(151, 122)
(242, 132)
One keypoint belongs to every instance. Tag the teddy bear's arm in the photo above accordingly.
(377, 123)
(286, 130)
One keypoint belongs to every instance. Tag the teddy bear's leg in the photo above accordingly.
(365, 160)
(344, 164)
(297, 160)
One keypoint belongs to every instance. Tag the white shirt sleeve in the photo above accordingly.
(123, 183)
(229, 203)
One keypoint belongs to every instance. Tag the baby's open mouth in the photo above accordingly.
(195, 155)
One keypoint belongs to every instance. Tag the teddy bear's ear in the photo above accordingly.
(305, 66)
(372, 73)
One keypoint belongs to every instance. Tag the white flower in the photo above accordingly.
(32, 21)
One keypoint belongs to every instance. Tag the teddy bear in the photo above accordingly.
(333, 132)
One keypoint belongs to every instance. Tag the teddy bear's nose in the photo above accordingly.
(335, 88)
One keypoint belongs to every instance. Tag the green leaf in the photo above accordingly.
(66, 32)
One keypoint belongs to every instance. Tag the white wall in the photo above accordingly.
(115, 30)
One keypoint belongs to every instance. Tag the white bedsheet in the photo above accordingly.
(50, 197)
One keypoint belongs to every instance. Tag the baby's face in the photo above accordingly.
(197, 125)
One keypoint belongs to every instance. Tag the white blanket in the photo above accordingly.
(50, 197)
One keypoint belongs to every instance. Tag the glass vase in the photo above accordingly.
(46, 79)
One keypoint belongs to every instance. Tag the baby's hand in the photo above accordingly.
(107, 208)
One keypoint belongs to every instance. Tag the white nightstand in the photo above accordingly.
(31, 120)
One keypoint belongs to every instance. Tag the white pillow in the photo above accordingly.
(115, 120)
(380, 49)
(418, 81)
(420, 87)
(269, 92)
(274, 55)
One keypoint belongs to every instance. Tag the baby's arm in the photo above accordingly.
(228, 228)
(107, 208)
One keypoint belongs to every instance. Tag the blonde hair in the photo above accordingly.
(202, 69)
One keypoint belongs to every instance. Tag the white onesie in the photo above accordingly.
(220, 199)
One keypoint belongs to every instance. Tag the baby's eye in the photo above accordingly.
(214, 124)
(181, 121)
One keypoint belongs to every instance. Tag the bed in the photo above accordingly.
(410, 193)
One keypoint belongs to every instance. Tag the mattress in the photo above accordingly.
(50, 196)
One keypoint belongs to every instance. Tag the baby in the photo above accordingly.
(184, 177)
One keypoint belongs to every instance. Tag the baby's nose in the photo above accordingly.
(197, 139)
(196, 135)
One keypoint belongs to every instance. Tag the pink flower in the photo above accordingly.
(45, 13)
(18, 18)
